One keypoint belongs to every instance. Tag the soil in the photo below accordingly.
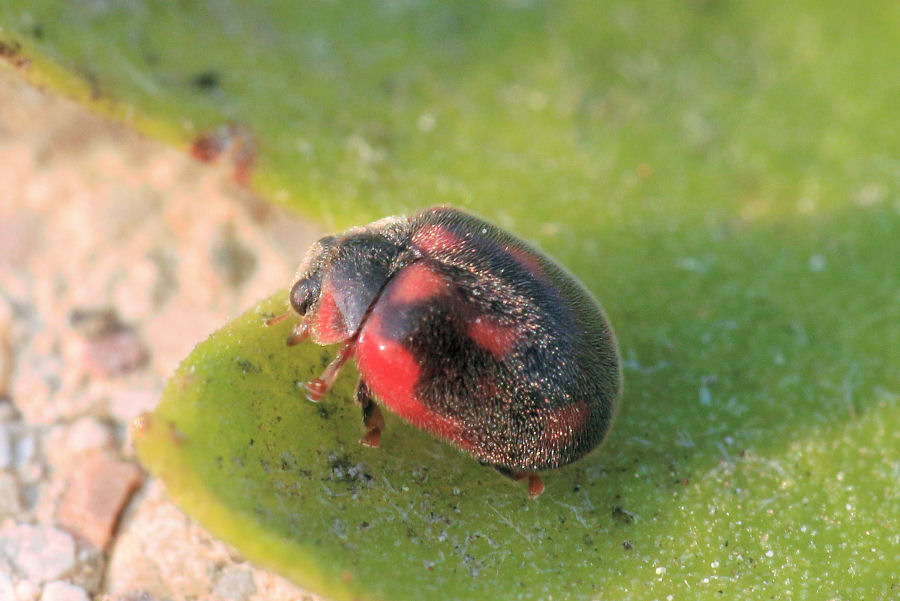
(117, 254)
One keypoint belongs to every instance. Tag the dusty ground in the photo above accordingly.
(117, 254)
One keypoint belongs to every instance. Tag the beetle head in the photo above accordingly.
(308, 281)
(340, 277)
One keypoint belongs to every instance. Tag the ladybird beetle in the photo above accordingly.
(465, 332)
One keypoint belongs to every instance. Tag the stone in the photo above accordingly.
(272, 587)
(55, 446)
(6, 456)
(135, 595)
(19, 239)
(7, 354)
(10, 496)
(235, 583)
(96, 491)
(98, 342)
(161, 551)
(35, 386)
(232, 260)
(126, 404)
(88, 433)
(27, 590)
(26, 449)
(63, 591)
(8, 411)
(91, 563)
(7, 590)
(115, 353)
(40, 552)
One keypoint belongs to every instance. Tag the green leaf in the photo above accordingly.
(724, 176)
(754, 451)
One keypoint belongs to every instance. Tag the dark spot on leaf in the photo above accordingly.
(344, 471)
(247, 366)
(37, 32)
(206, 80)
(176, 435)
(622, 515)
(325, 411)
(288, 462)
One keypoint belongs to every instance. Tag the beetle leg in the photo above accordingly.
(372, 418)
(535, 484)
(317, 387)
(298, 334)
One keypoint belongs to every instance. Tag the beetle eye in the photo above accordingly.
(301, 296)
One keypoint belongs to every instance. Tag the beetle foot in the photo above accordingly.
(316, 389)
(372, 438)
(372, 418)
(535, 484)
(298, 334)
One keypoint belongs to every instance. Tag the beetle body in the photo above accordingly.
(466, 332)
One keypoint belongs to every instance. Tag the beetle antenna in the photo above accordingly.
(278, 318)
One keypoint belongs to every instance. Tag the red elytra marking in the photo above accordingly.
(416, 283)
(564, 423)
(391, 372)
(495, 338)
(432, 239)
(328, 324)
(527, 260)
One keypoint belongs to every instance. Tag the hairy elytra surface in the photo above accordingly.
(466, 332)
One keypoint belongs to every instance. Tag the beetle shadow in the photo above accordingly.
(740, 344)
